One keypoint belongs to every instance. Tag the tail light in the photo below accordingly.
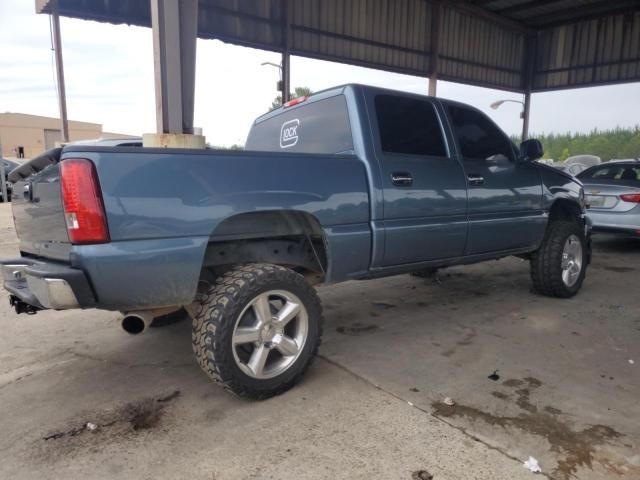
(82, 200)
(631, 197)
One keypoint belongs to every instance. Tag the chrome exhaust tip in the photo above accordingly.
(136, 322)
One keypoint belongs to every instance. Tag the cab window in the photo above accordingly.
(478, 137)
(409, 126)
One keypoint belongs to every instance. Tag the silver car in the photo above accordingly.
(612, 192)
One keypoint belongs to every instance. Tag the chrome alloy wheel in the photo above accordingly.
(571, 260)
(269, 334)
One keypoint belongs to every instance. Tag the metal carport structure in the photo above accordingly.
(523, 46)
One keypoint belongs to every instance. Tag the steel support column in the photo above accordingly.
(62, 96)
(286, 56)
(436, 9)
(175, 28)
(529, 72)
(525, 116)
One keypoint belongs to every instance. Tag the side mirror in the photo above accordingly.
(531, 150)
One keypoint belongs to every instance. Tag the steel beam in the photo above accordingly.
(62, 95)
(531, 47)
(286, 55)
(526, 112)
(175, 29)
(434, 59)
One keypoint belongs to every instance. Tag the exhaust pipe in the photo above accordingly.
(136, 322)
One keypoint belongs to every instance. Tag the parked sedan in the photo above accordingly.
(8, 166)
(612, 191)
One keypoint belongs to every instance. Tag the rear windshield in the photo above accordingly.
(616, 173)
(316, 127)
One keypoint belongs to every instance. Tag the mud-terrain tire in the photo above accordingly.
(253, 312)
(559, 266)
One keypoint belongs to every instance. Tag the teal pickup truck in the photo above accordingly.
(350, 183)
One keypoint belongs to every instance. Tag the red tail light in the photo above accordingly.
(82, 200)
(631, 197)
(295, 101)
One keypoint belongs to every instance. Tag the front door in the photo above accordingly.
(424, 187)
(505, 196)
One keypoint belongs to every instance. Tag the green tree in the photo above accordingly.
(297, 92)
(606, 144)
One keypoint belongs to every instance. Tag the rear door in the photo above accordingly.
(505, 196)
(424, 188)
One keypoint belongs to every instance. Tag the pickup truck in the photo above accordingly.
(351, 183)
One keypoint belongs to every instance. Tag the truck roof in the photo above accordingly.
(340, 89)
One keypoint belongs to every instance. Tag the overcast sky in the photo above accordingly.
(109, 79)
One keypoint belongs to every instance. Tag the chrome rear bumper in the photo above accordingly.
(46, 285)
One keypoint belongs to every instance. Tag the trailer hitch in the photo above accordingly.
(22, 307)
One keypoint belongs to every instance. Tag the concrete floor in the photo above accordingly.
(370, 407)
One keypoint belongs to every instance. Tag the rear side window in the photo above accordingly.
(478, 137)
(315, 127)
(409, 126)
(612, 172)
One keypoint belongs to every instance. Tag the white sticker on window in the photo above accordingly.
(289, 133)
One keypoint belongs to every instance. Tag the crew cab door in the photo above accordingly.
(505, 196)
(424, 188)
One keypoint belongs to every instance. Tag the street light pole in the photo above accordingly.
(524, 115)
(62, 97)
(281, 83)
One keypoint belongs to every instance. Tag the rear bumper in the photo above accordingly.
(46, 284)
(616, 222)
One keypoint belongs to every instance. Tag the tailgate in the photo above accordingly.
(37, 207)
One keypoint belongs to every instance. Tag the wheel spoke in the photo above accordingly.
(262, 308)
(246, 335)
(287, 346)
(258, 360)
(287, 313)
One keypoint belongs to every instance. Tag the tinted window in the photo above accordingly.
(409, 126)
(612, 172)
(315, 127)
(477, 136)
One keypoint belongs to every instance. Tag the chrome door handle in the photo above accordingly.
(401, 179)
(475, 179)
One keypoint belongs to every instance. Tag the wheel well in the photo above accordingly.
(564, 210)
(288, 238)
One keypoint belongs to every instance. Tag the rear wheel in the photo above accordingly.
(257, 329)
(559, 266)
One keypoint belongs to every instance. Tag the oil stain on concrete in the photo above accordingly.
(98, 428)
(575, 448)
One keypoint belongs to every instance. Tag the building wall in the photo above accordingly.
(19, 129)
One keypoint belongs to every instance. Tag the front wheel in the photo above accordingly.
(257, 329)
(559, 266)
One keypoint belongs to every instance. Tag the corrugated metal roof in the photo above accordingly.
(493, 43)
(598, 51)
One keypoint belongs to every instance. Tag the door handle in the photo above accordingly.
(475, 179)
(401, 179)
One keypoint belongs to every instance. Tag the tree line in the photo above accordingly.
(606, 144)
